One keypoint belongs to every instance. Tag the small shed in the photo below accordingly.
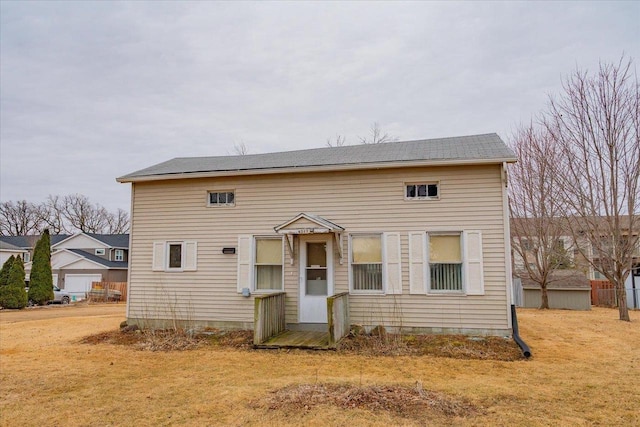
(568, 289)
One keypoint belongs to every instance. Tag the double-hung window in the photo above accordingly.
(445, 262)
(366, 262)
(268, 264)
(119, 255)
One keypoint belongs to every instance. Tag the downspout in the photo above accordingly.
(633, 286)
(526, 352)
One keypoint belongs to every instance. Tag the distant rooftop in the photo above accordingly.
(27, 242)
(9, 247)
(487, 148)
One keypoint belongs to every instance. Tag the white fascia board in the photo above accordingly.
(14, 250)
(306, 169)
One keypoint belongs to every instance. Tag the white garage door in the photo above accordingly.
(79, 284)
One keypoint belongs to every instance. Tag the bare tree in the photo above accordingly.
(52, 215)
(338, 142)
(66, 214)
(377, 136)
(240, 149)
(536, 209)
(20, 218)
(118, 223)
(82, 215)
(595, 123)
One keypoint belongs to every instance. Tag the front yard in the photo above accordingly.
(584, 371)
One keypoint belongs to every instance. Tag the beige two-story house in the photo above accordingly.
(416, 233)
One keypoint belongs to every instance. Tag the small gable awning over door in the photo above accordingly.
(305, 223)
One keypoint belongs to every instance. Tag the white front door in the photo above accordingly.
(316, 277)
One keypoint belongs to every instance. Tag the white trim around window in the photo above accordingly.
(368, 270)
(268, 265)
(221, 198)
(118, 255)
(425, 190)
(446, 262)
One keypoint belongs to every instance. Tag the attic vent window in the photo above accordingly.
(99, 252)
(422, 191)
(222, 198)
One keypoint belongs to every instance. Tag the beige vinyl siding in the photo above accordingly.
(362, 201)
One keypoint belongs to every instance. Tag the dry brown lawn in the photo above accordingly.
(584, 371)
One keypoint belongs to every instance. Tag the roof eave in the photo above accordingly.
(307, 169)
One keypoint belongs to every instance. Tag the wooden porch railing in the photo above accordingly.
(338, 316)
(268, 317)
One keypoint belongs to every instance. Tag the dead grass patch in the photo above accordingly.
(404, 401)
(452, 346)
(583, 373)
(172, 340)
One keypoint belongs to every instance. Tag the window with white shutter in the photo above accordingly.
(446, 262)
(175, 256)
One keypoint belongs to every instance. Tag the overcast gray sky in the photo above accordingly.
(90, 91)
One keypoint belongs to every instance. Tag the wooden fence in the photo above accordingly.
(603, 293)
(268, 317)
(338, 315)
(107, 286)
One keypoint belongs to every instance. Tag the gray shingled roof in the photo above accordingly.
(113, 240)
(561, 279)
(97, 259)
(482, 148)
(9, 246)
(28, 242)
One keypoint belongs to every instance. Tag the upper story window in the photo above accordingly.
(119, 255)
(366, 262)
(100, 251)
(222, 198)
(422, 191)
(26, 257)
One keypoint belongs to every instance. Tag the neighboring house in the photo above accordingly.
(570, 258)
(415, 232)
(82, 258)
(7, 250)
